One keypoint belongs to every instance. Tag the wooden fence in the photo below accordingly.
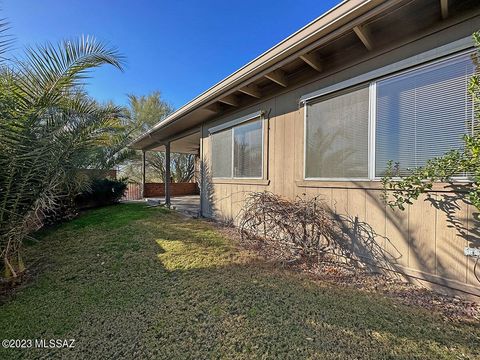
(133, 192)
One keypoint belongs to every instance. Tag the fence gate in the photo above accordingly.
(133, 192)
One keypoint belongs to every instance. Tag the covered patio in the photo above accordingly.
(188, 142)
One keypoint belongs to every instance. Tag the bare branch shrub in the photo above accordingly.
(298, 229)
(307, 229)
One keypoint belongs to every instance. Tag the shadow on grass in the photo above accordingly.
(163, 286)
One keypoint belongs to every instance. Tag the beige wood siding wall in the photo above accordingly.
(425, 241)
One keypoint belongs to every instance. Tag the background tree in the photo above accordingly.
(144, 112)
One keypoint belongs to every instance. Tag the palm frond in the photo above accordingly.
(48, 71)
(48, 128)
(6, 39)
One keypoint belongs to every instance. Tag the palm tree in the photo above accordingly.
(48, 130)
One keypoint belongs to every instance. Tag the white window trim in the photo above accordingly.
(371, 120)
(236, 122)
(372, 127)
(260, 118)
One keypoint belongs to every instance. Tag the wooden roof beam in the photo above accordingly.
(278, 76)
(312, 60)
(251, 90)
(214, 108)
(231, 100)
(364, 38)
(444, 8)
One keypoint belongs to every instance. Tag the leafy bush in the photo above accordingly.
(101, 192)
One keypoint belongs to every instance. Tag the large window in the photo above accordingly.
(222, 154)
(238, 151)
(337, 136)
(423, 113)
(407, 118)
(247, 150)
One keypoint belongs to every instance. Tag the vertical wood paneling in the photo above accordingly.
(451, 223)
(214, 201)
(219, 202)
(396, 232)
(421, 225)
(474, 241)
(324, 195)
(289, 146)
(224, 200)
(307, 193)
(278, 168)
(356, 203)
(235, 201)
(356, 218)
(375, 211)
(375, 217)
(340, 207)
(340, 201)
(298, 146)
(271, 150)
(228, 201)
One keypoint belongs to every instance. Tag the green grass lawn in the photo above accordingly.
(129, 281)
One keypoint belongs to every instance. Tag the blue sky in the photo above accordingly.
(180, 48)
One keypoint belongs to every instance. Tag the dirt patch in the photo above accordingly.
(391, 285)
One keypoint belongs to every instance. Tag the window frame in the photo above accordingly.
(231, 157)
(330, 95)
(372, 119)
(259, 118)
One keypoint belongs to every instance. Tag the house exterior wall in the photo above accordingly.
(424, 241)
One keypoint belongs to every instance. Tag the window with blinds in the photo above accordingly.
(238, 151)
(423, 113)
(247, 150)
(337, 136)
(222, 154)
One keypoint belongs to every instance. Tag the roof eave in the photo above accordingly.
(325, 23)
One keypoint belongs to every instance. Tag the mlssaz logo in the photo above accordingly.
(55, 343)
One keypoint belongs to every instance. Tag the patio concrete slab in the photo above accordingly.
(188, 205)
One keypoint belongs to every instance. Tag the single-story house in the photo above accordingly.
(323, 111)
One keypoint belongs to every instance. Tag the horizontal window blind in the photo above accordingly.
(222, 154)
(247, 151)
(238, 151)
(337, 136)
(423, 113)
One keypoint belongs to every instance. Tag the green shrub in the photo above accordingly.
(101, 192)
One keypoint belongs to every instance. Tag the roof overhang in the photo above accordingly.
(349, 17)
(187, 142)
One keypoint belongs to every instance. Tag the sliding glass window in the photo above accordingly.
(337, 136)
(408, 118)
(238, 151)
(247, 150)
(222, 154)
(423, 113)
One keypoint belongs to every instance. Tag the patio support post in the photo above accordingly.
(167, 174)
(143, 173)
